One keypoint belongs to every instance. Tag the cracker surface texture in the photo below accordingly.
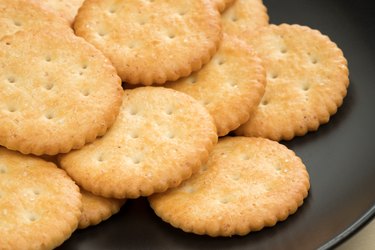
(39, 204)
(230, 86)
(151, 42)
(96, 209)
(243, 17)
(307, 80)
(221, 5)
(67, 9)
(18, 15)
(58, 92)
(247, 184)
(159, 139)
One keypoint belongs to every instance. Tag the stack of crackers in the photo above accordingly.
(103, 101)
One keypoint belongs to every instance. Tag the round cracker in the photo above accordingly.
(221, 5)
(58, 92)
(18, 15)
(159, 139)
(151, 42)
(307, 80)
(96, 209)
(231, 85)
(247, 184)
(243, 17)
(39, 204)
(67, 9)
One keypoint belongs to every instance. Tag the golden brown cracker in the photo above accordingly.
(67, 9)
(243, 17)
(18, 15)
(247, 184)
(307, 80)
(159, 139)
(39, 204)
(230, 86)
(221, 5)
(96, 209)
(58, 92)
(151, 42)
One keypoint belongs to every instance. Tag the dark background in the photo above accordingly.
(340, 157)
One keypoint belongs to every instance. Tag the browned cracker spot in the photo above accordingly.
(39, 204)
(66, 9)
(159, 139)
(247, 184)
(231, 85)
(243, 17)
(58, 92)
(221, 5)
(307, 79)
(96, 209)
(17, 15)
(151, 42)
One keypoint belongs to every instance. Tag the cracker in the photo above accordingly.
(58, 92)
(307, 80)
(67, 9)
(151, 42)
(247, 184)
(221, 5)
(17, 15)
(39, 204)
(159, 139)
(231, 85)
(96, 209)
(243, 17)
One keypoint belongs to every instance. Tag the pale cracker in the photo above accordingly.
(58, 92)
(221, 5)
(231, 85)
(243, 17)
(151, 42)
(39, 204)
(159, 139)
(17, 15)
(247, 184)
(67, 9)
(307, 80)
(96, 209)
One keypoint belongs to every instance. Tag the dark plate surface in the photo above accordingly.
(340, 157)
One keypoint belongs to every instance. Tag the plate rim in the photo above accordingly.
(351, 230)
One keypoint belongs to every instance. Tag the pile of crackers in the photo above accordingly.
(180, 101)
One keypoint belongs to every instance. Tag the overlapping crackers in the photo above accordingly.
(230, 86)
(96, 209)
(151, 42)
(221, 5)
(18, 15)
(39, 204)
(307, 80)
(247, 184)
(244, 16)
(62, 99)
(67, 9)
(59, 92)
(160, 138)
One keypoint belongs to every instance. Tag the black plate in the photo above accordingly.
(340, 156)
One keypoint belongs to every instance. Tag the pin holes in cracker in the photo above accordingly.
(193, 78)
(264, 101)
(17, 23)
(305, 86)
(31, 217)
(3, 169)
(11, 79)
(272, 75)
(313, 59)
